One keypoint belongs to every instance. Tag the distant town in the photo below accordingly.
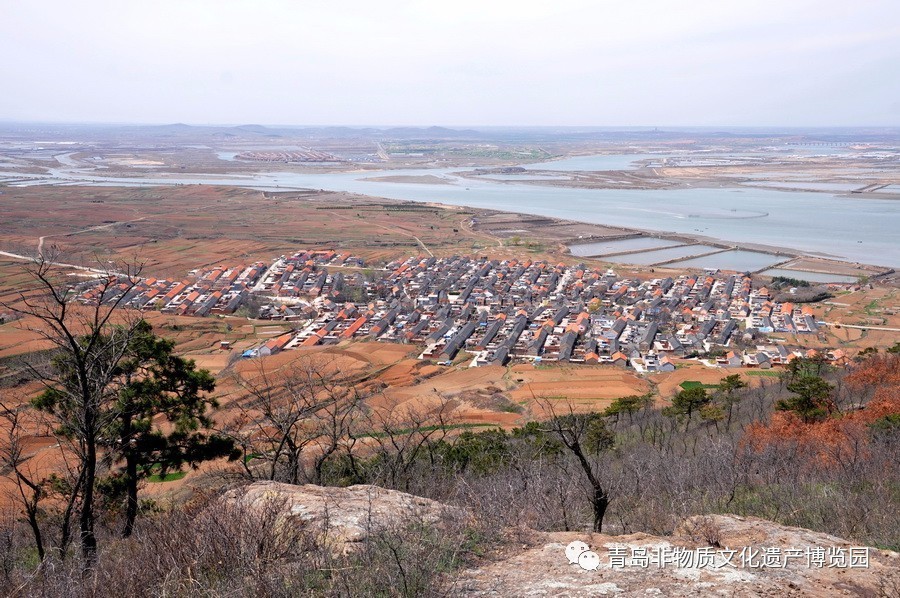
(496, 311)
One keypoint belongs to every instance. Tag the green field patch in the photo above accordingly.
(169, 477)
(767, 373)
(689, 384)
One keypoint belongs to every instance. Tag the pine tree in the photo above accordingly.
(811, 400)
(158, 383)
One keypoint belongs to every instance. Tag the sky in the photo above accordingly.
(459, 63)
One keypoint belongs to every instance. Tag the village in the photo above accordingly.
(492, 311)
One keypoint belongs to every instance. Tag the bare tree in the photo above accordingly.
(88, 340)
(584, 435)
(402, 434)
(29, 487)
(294, 422)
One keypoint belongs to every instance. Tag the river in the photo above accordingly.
(851, 228)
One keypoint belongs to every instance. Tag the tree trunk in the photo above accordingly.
(31, 507)
(66, 526)
(131, 494)
(131, 476)
(354, 467)
(320, 462)
(35, 528)
(86, 519)
(600, 501)
(599, 497)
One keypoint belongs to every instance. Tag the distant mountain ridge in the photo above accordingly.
(199, 133)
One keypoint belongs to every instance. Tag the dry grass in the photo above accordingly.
(176, 229)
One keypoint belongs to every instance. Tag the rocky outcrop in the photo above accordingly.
(544, 570)
(715, 555)
(341, 517)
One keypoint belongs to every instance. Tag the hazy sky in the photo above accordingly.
(460, 62)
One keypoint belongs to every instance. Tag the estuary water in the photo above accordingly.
(592, 163)
(862, 230)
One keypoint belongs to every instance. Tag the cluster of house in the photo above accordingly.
(766, 356)
(301, 155)
(216, 291)
(304, 274)
(501, 310)
(497, 310)
(222, 290)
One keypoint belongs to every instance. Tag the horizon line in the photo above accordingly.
(428, 126)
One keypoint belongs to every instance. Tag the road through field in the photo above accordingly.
(395, 230)
(73, 266)
(40, 245)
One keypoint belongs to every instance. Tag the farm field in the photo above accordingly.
(176, 229)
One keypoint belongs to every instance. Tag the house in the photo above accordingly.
(490, 333)
(501, 356)
(665, 364)
(838, 357)
(278, 343)
(619, 359)
(566, 345)
(729, 360)
(758, 360)
(646, 342)
(456, 342)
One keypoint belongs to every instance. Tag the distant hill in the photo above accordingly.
(181, 132)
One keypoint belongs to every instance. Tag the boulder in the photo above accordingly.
(542, 569)
(341, 517)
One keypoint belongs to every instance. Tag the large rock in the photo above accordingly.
(542, 569)
(341, 517)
